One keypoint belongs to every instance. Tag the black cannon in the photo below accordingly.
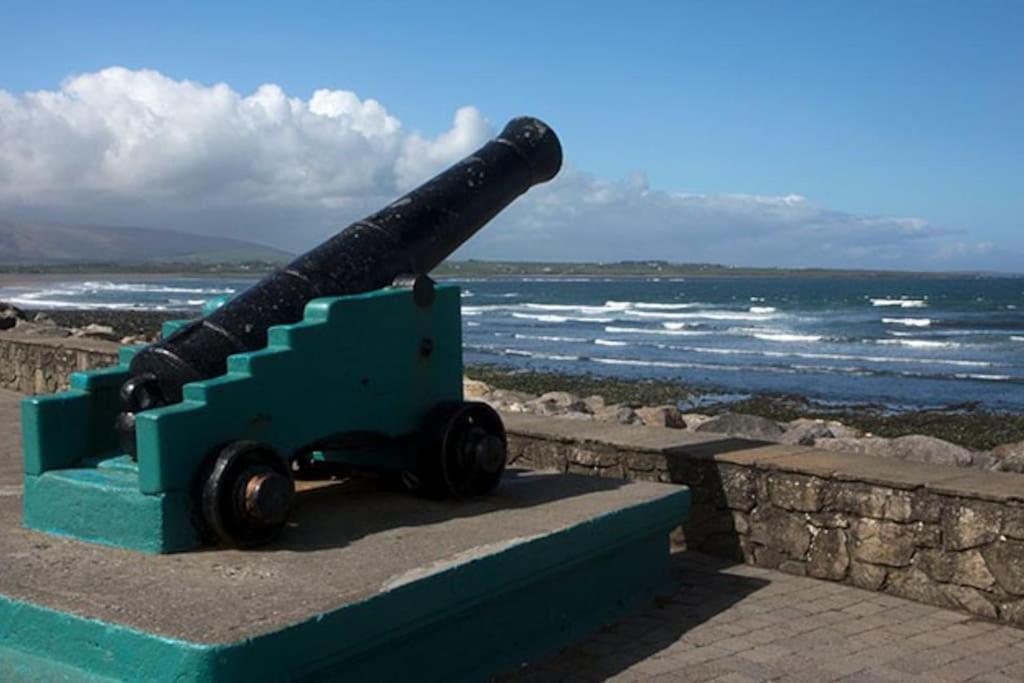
(348, 355)
(406, 239)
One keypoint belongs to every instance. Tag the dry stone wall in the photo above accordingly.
(929, 533)
(37, 366)
(933, 533)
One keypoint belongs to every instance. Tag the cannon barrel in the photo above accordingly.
(410, 236)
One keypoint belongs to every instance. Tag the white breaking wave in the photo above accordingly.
(920, 343)
(542, 337)
(692, 366)
(909, 322)
(153, 289)
(829, 356)
(571, 308)
(708, 315)
(59, 303)
(1020, 339)
(789, 337)
(610, 342)
(559, 318)
(902, 303)
(534, 354)
(990, 378)
(677, 326)
(763, 309)
(622, 305)
(642, 330)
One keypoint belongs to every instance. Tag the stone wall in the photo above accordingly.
(933, 533)
(42, 365)
(936, 534)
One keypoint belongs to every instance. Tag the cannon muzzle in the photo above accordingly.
(410, 236)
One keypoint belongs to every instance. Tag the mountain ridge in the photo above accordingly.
(39, 243)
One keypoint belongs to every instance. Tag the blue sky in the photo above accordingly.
(866, 111)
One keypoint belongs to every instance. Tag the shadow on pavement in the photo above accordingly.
(703, 590)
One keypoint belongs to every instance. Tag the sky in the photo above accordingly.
(867, 134)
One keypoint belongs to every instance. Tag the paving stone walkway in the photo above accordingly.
(737, 624)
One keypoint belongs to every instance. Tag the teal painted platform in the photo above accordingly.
(550, 559)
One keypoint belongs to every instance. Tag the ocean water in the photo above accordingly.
(904, 343)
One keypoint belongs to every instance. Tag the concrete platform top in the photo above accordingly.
(346, 543)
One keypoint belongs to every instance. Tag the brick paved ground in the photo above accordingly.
(737, 624)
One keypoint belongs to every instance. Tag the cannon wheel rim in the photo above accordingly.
(221, 491)
(454, 425)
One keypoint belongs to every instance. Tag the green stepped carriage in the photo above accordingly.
(357, 382)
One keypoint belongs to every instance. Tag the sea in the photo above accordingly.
(901, 343)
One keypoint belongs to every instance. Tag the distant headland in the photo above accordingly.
(50, 248)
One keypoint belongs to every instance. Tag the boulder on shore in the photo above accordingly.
(750, 426)
(95, 331)
(10, 315)
(662, 416)
(507, 400)
(1009, 457)
(557, 403)
(805, 431)
(617, 413)
(913, 448)
(475, 389)
(694, 420)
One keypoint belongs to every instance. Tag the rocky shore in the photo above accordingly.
(125, 327)
(959, 435)
(817, 432)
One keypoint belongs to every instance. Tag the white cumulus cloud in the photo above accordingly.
(135, 147)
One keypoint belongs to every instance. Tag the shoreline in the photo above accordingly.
(964, 425)
(967, 425)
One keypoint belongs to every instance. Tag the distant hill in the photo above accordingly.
(665, 269)
(49, 244)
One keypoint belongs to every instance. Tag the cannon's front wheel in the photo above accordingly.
(244, 493)
(463, 450)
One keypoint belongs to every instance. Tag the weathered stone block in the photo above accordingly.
(769, 558)
(970, 600)
(1012, 612)
(880, 542)
(781, 530)
(967, 568)
(828, 557)
(925, 507)
(937, 564)
(1005, 559)
(868, 576)
(793, 567)
(1013, 522)
(797, 492)
(875, 501)
(595, 458)
(829, 520)
(740, 523)
(914, 584)
(738, 487)
(969, 526)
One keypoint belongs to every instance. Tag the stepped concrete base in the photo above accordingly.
(365, 584)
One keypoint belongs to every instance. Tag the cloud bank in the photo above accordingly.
(134, 147)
